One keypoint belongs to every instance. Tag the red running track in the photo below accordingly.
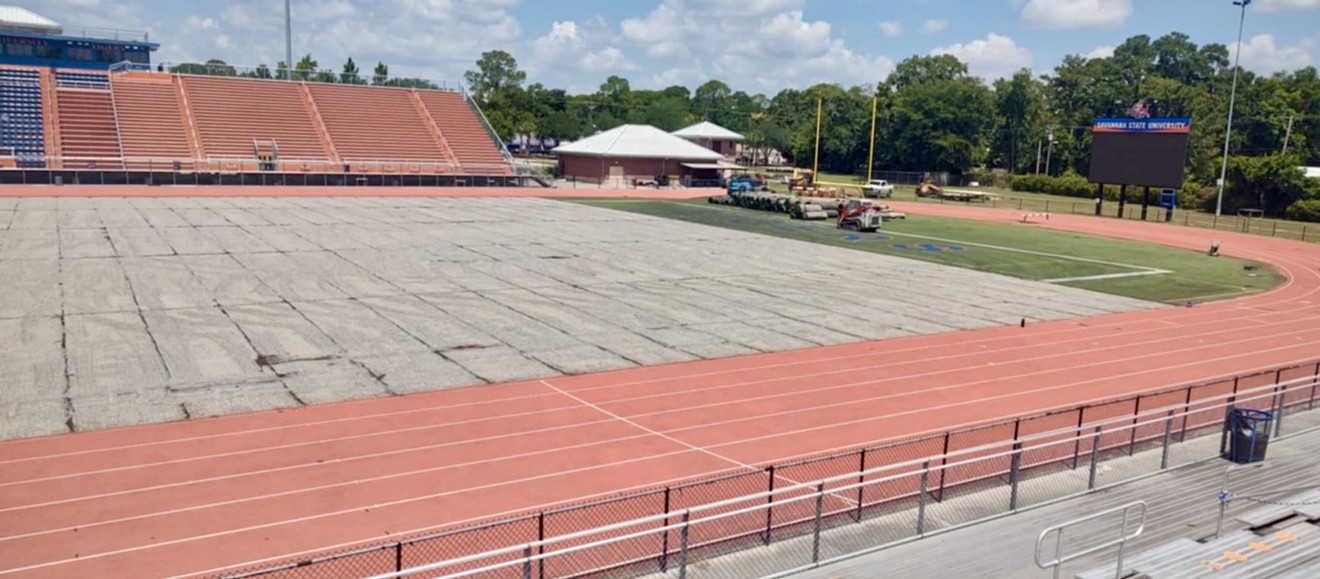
(201, 496)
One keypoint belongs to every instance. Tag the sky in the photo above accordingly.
(759, 46)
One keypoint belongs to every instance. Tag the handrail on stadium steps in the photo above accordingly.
(817, 488)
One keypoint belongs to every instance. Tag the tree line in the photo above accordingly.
(933, 115)
(306, 70)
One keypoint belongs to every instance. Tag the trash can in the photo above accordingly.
(1248, 433)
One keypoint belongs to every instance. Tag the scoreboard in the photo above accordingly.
(1141, 152)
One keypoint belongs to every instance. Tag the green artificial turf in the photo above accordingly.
(1021, 251)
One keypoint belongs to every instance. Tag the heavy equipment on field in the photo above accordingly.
(928, 189)
(864, 216)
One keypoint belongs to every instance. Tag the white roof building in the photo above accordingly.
(708, 131)
(638, 141)
(16, 19)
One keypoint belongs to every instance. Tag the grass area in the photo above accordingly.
(1042, 203)
(1016, 250)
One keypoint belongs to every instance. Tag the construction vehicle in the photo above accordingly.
(861, 215)
(802, 179)
(928, 189)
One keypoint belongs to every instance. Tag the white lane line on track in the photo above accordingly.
(677, 441)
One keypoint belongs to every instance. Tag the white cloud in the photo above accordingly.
(569, 48)
(765, 45)
(1286, 5)
(1101, 52)
(1072, 14)
(1262, 54)
(436, 39)
(933, 26)
(892, 28)
(990, 58)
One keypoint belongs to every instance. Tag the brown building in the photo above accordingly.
(630, 153)
(713, 137)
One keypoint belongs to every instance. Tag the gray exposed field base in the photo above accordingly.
(125, 311)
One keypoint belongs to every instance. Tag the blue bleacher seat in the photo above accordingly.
(21, 124)
(82, 79)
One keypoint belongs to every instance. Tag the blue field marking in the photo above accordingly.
(855, 237)
(926, 247)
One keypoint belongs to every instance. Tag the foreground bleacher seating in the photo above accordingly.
(141, 120)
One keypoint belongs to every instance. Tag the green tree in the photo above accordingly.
(497, 71)
(351, 74)
(305, 68)
(1269, 182)
(1018, 107)
(381, 74)
(937, 114)
(213, 67)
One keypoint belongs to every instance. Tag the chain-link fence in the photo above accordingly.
(786, 516)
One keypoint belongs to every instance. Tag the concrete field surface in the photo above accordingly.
(121, 311)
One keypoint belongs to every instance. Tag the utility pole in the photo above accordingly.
(1038, 146)
(1287, 134)
(1232, 99)
(870, 157)
(288, 41)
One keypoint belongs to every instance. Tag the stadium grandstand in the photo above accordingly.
(114, 119)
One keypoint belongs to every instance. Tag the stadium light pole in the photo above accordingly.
(288, 41)
(1232, 99)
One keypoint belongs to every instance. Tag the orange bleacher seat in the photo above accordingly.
(150, 123)
(471, 144)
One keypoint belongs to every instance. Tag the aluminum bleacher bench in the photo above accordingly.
(1305, 504)
(1237, 555)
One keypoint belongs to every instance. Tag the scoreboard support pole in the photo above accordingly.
(1122, 200)
(1145, 202)
(1099, 198)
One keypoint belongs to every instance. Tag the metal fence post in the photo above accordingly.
(815, 540)
(1278, 415)
(921, 499)
(861, 478)
(1095, 457)
(683, 545)
(1013, 475)
(1315, 380)
(527, 562)
(1077, 444)
(769, 508)
(944, 462)
(664, 539)
(1136, 419)
(540, 537)
(398, 556)
(1168, 434)
(1187, 415)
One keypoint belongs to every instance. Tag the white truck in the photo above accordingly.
(877, 189)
